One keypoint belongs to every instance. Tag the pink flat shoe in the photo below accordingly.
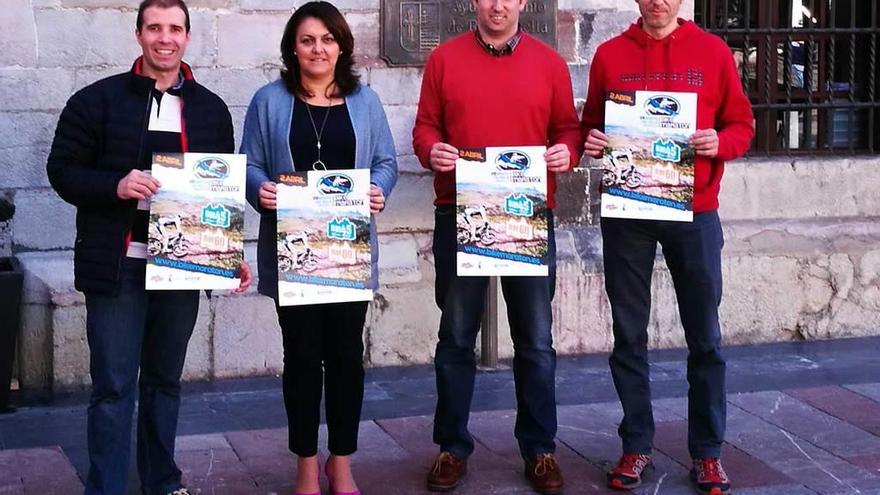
(330, 481)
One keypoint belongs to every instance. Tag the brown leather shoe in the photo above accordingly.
(447, 472)
(544, 474)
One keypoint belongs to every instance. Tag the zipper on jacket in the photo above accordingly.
(139, 159)
(144, 127)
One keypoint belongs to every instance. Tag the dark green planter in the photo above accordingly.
(11, 278)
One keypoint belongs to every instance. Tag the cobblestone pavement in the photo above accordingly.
(802, 419)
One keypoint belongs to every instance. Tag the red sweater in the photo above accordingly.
(688, 60)
(472, 99)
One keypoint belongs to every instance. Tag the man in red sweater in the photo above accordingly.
(664, 53)
(495, 86)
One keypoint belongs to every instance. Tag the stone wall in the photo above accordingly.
(797, 264)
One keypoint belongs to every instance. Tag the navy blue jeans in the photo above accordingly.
(693, 255)
(136, 330)
(461, 301)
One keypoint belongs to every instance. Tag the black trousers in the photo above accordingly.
(323, 350)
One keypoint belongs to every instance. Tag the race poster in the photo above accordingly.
(195, 239)
(324, 237)
(648, 165)
(501, 211)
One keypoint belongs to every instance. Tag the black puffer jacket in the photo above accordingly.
(99, 139)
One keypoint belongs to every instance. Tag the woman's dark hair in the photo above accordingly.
(344, 76)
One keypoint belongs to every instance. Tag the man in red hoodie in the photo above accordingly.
(664, 53)
(494, 86)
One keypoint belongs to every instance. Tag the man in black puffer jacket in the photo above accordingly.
(99, 163)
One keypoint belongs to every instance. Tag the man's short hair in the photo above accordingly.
(163, 4)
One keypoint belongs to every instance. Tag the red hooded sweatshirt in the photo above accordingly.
(688, 60)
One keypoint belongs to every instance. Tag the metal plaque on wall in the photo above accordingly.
(412, 28)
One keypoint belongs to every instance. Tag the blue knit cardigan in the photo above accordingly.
(266, 142)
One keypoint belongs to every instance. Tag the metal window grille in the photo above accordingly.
(809, 68)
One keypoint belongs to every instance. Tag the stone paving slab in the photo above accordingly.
(869, 390)
(496, 432)
(775, 490)
(671, 438)
(870, 462)
(670, 409)
(489, 473)
(395, 454)
(592, 432)
(37, 471)
(215, 471)
(815, 468)
(822, 430)
(843, 404)
(785, 436)
(265, 455)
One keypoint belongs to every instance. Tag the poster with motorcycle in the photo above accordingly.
(195, 238)
(501, 211)
(648, 165)
(324, 237)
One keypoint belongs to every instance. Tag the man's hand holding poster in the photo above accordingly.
(501, 208)
(648, 163)
(195, 237)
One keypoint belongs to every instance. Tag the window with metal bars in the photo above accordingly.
(809, 68)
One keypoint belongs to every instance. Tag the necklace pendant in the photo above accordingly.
(319, 165)
(319, 145)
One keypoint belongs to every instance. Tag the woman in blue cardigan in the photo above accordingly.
(316, 116)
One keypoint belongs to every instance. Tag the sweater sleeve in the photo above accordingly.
(71, 163)
(564, 126)
(428, 128)
(734, 119)
(383, 167)
(593, 115)
(253, 144)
